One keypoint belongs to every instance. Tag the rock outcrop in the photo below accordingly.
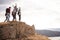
(19, 31)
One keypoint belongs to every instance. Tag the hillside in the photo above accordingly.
(48, 33)
(19, 31)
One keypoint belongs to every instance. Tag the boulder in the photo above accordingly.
(15, 30)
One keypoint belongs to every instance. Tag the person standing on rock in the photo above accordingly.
(19, 13)
(14, 13)
(7, 14)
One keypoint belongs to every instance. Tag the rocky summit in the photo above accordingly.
(15, 30)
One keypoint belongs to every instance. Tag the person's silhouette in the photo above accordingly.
(7, 14)
(14, 13)
(19, 13)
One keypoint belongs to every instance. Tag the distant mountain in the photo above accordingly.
(48, 33)
(55, 29)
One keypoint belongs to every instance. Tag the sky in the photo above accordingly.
(44, 14)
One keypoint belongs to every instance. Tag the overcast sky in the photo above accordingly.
(43, 14)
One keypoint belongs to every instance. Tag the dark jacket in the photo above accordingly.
(7, 10)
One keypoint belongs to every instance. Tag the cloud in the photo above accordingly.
(6, 1)
(3, 7)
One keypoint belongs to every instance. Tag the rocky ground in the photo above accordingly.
(14, 30)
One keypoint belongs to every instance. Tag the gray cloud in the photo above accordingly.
(6, 1)
(2, 8)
